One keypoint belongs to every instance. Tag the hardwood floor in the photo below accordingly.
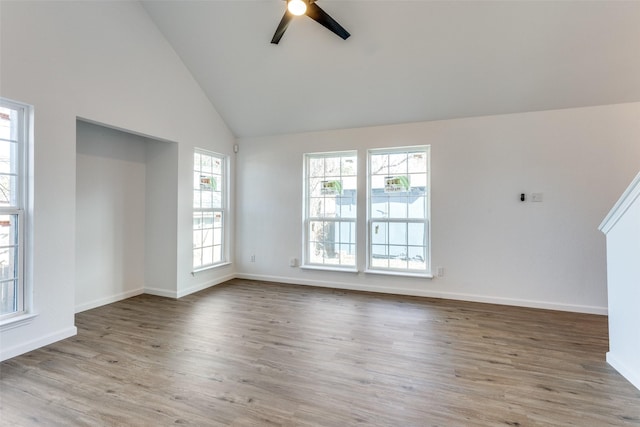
(252, 354)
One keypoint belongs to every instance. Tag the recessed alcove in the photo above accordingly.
(126, 226)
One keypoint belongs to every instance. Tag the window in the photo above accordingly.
(330, 209)
(14, 137)
(209, 205)
(398, 220)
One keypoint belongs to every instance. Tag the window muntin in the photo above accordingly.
(330, 209)
(209, 205)
(398, 223)
(13, 174)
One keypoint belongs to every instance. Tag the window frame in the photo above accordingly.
(425, 221)
(22, 301)
(307, 262)
(223, 211)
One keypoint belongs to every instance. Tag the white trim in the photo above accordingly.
(179, 294)
(629, 374)
(546, 305)
(8, 353)
(210, 267)
(17, 321)
(206, 285)
(108, 300)
(329, 267)
(400, 273)
(622, 205)
(161, 292)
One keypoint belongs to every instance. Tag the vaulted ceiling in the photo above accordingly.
(405, 61)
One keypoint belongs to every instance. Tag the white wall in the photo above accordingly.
(493, 247)
(622, 228)
(110, 215)
(105, 62)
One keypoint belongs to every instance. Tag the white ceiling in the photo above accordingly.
(405, 61)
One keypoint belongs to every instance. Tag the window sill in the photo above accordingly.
(17, 321)
(327, 268)
(401, 273)
(210, 267)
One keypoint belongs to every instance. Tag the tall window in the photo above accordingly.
(398, 220)
(209, 205)
(14, 137)
(330, 209)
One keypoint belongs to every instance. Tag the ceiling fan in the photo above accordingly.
(313, 11)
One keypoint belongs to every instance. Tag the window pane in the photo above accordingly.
(397, 163)
(349, 167)
(347, 204)
(397, 233)
(316, 167)
(379, 165)
(8, 230)
(207, 255)
(379, 256)
(397, 256)
(417, 258)
(332, 166)
(398, 207)
(379, 233)
(8, 297)
(417, 162)
(8, 190)
(416, 235)
(417, 207)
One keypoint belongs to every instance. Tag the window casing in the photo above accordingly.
(330, 210)
(209, 209)
(398, 210)
(14, 138)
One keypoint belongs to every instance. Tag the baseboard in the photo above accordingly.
(204, 286)
(188, 291)
(8, 353)
(430, 294)
(108, 300)
(161, 292)
(632, 376)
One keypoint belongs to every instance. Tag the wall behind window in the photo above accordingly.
(493, 247)
(108, 63)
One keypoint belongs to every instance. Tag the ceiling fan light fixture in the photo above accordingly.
(297, 7)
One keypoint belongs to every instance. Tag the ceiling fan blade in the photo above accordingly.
(320, 16)
(282, 27)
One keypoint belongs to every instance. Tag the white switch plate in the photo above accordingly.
(536, 197)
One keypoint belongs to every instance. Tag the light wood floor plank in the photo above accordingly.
(249, 353)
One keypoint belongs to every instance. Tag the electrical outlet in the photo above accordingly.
(536, 197)
(293, 262)
(440, 271)
(253, 258)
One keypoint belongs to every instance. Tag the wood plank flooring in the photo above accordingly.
(250, 353)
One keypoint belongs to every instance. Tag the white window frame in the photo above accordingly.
(22, 301)
(426, 221)
(221, 211)
(308, 219)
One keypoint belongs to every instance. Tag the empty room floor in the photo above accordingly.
(249, 353)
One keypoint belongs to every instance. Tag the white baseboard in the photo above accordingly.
(188, 291)
(108, 300)
(161, 292)
(206, 285)
(632, 376)
(430, 294)
(8, 353)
